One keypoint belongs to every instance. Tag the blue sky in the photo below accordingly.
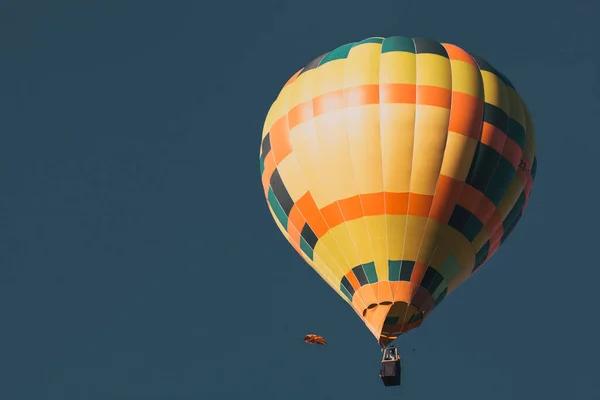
(138, 259)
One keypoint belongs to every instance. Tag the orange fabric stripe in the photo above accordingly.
(307, 206)
(361, 95)
(398, 93)
(295, 224)
(493, 137)
(396, 203)
(494, 225)
(469, 199)
(419, 204)
(353, 280)
(482, 208)
(300, 113)
(392, 93)
(401, 290)
(447, 193)
(417, 275)
(280, 140)
(332, 214)
(456, 53)
(384, 290)
(295, 238)
(466, 116)
(329, 102)
(293, 78)
(367, 296)
(485, 209)
(270, 166)
(433, 96)
(351, 208)
(496, 237)
(373, 203)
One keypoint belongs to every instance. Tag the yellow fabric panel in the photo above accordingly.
(398, 67)
(430, 241)
(278, 109)
(495, 91)
(291, 176)
(466, 79)
(433, 70)
(397, 141)
(396, 228)
(431, 131)
(451, 242)
(338, 165)
(458, 156)
(415, 227)
(343, 255)
(328, 260)
(311, 160)
(362, 65)
(303, 89)
(378, 234)
(324, 270)
(329, 77)
(362, 124)
(354, 240)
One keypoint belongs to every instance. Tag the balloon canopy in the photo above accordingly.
(396, 167)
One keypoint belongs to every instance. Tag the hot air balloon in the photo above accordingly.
(396, 167)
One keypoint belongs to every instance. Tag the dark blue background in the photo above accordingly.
(137, 256)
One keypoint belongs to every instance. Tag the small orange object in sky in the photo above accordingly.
(314, 339)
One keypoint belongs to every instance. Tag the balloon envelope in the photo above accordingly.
(396, 167)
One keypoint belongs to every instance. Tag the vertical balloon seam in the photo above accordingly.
(345, 122)
(352, 163)
(385, 221)
(435, 190)
(424, 233)
(403, 323)
(372, 242)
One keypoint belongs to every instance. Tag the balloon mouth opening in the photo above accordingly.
(390, 319)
